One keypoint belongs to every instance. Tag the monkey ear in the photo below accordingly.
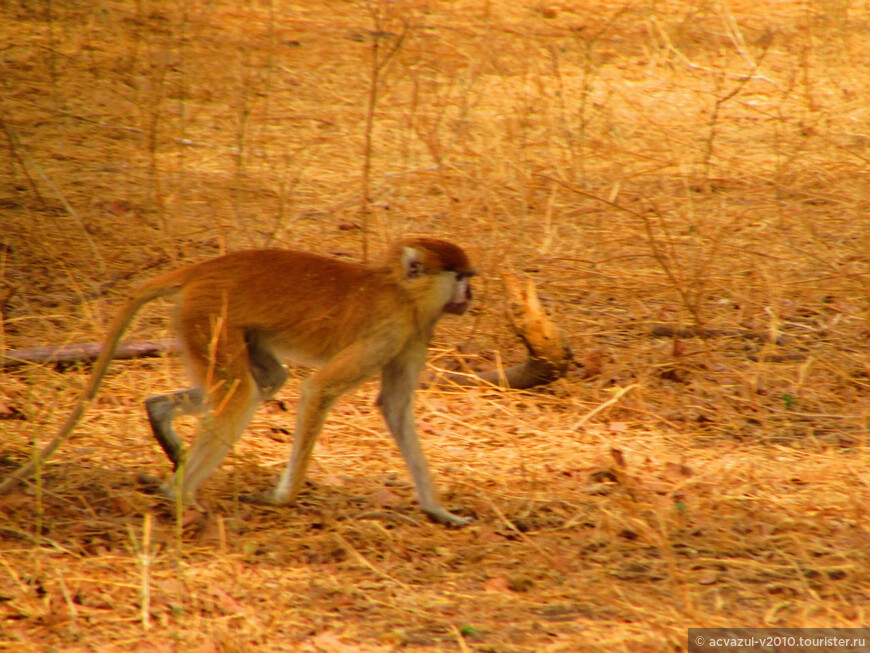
(412, 266)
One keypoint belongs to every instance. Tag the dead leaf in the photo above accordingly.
(485, 534)
(15, 500)
(497, 584)
(210, 532)
(226, 602)
(191, 516)
(519, 583)
(617, 456)
(386, 499)
(592, 362)
(9, 411)
(121, 505)
(329, 643)
(154, 645)
(206, 647)
(676, 471)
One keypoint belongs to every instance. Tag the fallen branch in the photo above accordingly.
(666, 331)
(84, 353)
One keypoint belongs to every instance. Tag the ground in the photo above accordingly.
(662, 171)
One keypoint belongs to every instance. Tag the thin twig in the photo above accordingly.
(27, 162)
(363, 561)
(377, 64)
(656, 251)
(607, 404)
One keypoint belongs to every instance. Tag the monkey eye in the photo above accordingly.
(415, 269)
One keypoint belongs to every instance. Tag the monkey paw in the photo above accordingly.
(149, 484)
(266, 498)
(153, 485)
(443, 516)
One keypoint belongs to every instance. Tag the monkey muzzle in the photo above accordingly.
(461, 298)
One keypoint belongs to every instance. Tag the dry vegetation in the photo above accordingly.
(697, 164)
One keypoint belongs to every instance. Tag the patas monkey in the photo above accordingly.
(239, 315)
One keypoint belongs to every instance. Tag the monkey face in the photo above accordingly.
(445, 265)
(461, 298)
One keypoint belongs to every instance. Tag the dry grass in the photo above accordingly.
(689, 163)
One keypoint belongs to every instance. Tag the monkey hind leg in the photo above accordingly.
(218, 362)
(221, 427)
(163, 409)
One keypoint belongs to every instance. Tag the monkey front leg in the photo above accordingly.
(397, 409)
(314, 403)
(396, 405)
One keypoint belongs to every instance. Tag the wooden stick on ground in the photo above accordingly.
(85, 352)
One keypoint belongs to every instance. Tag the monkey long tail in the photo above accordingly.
(159, 287)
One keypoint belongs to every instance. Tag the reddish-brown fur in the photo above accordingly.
(239, 314)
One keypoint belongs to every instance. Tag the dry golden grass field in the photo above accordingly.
(702, 165)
